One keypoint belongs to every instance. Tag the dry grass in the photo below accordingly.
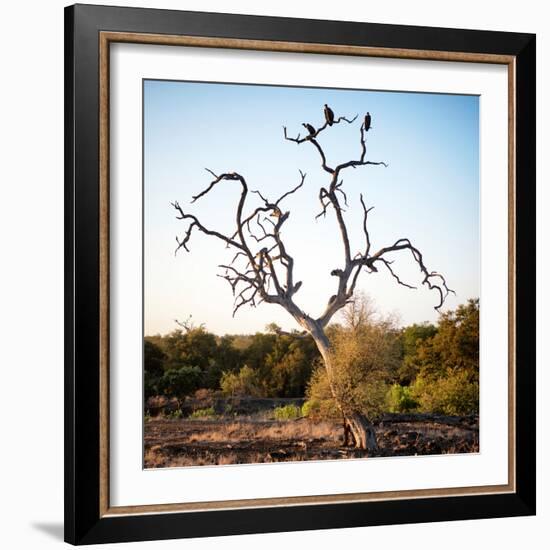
(154, 457)
(246, 440)
(253, 430)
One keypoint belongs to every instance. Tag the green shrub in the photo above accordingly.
(245, 382)
(180, 381)
(365, 351)
(319, 409)
(311, 408)
(203, 413)
(320, 404)
(288, 412)
(400, 399)
(455, 394)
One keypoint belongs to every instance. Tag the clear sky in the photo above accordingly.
(429, 193)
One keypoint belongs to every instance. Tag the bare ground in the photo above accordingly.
(245, 440)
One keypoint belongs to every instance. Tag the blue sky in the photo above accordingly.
(429, 193)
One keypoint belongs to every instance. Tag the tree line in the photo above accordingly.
(379, 366)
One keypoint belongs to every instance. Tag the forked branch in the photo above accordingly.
(348, 274)
(254, 275)
(262, 270)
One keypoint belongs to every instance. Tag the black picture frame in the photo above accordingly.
(84, 524)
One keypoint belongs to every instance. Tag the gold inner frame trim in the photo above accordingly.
(105, 39)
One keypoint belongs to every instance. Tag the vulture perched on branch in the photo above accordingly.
(367, 122)
(276, 213)
(329, 115)
(309, 128)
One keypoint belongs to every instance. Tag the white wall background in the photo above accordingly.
(31, 273)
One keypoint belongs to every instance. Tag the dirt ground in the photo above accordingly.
(245, 440)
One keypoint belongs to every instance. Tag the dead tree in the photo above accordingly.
(262, 269)
(188, 324)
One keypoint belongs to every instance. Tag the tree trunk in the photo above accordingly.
(355, 423)
(363, 432)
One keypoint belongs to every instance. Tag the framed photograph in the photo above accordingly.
(300, 274)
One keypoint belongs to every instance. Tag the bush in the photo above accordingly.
(245, 382)
(400, 399)
(311, 408)
(454, 394)
(319, 409)
(320, 403)
(151, 384)
(288, 412)
(180, 382)
(358, 387)
(365, 352)
(203, 413)
(153, 359)
(454, 346)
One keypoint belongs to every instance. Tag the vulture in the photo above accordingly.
(329, 115)
(261, 253)
(276, 212)
(309, 128)
(367, 122)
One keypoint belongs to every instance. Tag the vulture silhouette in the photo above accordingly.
(368, 120)
(309, 128)
(329, 115)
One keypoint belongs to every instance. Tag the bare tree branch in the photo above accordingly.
(251, 273)
(348, 274)
(388, 263)
(267, 274)
(188, 324)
